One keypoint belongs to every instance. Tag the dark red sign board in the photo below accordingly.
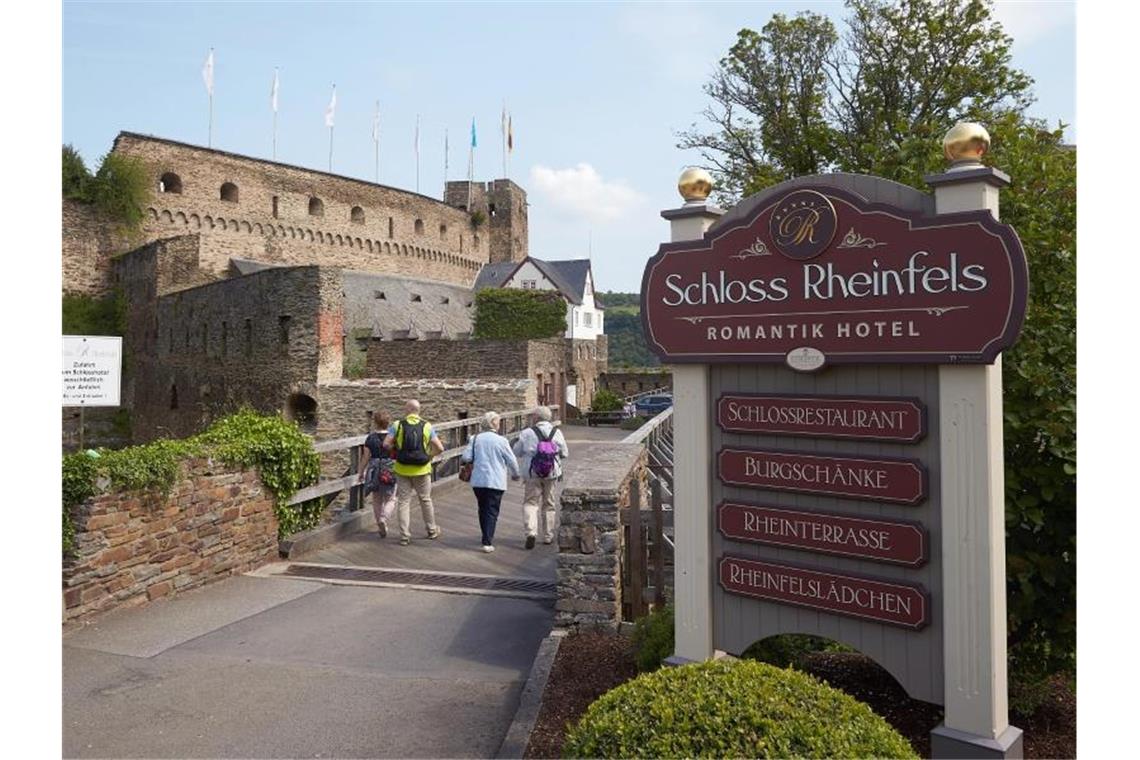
(903, 604)
(901, 481)
(902, 543)
(854, 417)
(823, 270)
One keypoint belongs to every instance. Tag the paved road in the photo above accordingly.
(277, 667)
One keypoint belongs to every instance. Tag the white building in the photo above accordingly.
(573, 279)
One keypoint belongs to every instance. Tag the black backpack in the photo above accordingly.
(413, 448)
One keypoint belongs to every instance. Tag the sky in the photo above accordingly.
(596, 93)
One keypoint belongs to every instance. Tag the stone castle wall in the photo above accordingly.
(627, 383)
(202, 352)
(133, 547)
(254, 209)
(89, 242)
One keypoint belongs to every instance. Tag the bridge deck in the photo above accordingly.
(459, 548)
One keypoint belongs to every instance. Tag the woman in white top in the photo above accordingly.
(492, 460)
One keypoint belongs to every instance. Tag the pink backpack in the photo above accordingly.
(542, 463)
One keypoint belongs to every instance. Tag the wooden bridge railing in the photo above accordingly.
(648, 555)
(453, 434)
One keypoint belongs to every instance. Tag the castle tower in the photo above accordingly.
(502, 206)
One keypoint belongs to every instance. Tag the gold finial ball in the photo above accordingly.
(695, 184)
(966, 141)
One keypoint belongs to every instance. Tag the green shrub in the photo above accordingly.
(633, 423)
(282, 453)
(86, 315)
(519, 314)
(787, 650)
(76, 177)
(731, 709)
(121, 189)
(653, 639)
(606, 400)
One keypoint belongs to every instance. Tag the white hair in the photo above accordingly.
(490, 421)
(412, 406)
(544, 413)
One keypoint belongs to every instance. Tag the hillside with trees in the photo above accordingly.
(623, 331)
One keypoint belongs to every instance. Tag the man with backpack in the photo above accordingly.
(541, 449)
(415, 444)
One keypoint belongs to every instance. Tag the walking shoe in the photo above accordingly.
(530, 542)
(383, 529)
(488, 549)
(548, 541)
(405, 541)
(434, 532)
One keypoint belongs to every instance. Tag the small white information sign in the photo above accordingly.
(91, 370)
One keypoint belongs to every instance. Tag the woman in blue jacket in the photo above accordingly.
(492, 460)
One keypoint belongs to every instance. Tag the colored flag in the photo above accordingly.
(330, 112)
(376, 124)
(273, 92)
(510, 135)
(208, 73)
(474, 143)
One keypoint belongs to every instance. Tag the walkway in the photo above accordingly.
(278, 667)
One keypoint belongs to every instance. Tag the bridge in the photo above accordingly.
(356, 646)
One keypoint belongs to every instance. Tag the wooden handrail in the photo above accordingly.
(334, 485)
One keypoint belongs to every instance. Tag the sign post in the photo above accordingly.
(836, 348)
(92, 373)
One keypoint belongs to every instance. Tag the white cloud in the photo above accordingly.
(581, 191)
(1027, 22)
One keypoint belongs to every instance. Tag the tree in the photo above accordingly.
(76, 177)
(877, 101)
(794, 99)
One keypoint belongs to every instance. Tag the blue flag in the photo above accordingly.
(473, 142)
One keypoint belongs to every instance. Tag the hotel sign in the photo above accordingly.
(822, 276)
(900, 543)
(900, 420)
(903, 604)
(900, 481)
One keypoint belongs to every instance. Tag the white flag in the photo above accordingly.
(273, 94)
(208, 73)
(376, 124)
(330, 112)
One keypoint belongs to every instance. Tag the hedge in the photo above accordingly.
(731, 709)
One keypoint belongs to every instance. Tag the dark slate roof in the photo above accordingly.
(248, 266)
(573, 272)
(557, 275)
(494, 275)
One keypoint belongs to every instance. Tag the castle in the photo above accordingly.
(259, 283)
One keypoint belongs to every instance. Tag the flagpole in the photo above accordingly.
(376, 139)
(417, 153)
(274, 113)
(330, 148)
(503, 135)
(210, 89)
(446, 150)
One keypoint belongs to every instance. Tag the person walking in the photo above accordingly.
(415, 444)
(541, 449)
(492, 459)
(379, 473)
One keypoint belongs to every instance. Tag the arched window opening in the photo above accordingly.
(356, 215)
(476, 242)
(316, 206)
(443, 232)
(170, 183)
(391, 227)
(419, 226)
(302, 409)
(275, 207)
(229, 192)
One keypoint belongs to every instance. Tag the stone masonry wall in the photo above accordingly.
(256, 340)
(290, 215)
(134, 547)
(628, 382)
(590, 538)
(475, 359)
(89, 242)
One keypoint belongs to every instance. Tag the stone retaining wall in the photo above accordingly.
(132, 547)
(590, 542)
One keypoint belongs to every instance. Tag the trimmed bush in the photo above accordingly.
(731, 709)
(512, 313)
(788, 650)
(605, 400)
(653, 639)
